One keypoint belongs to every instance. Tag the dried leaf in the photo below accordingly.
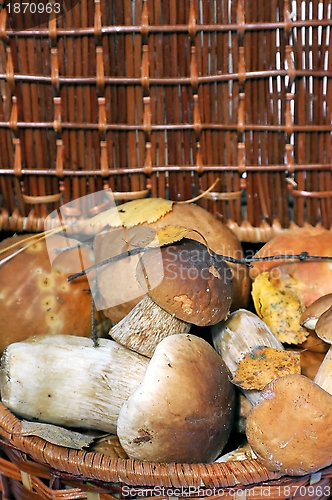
(280, 306)
(134, 212)
(56, 435)
(263, 364)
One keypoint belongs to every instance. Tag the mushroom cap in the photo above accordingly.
(311, 314)
(311, 278)
(324, 326)
(219, 238)
(290, 428)
(196, 285)
(36, 297)
(118, 289)
(183, 409)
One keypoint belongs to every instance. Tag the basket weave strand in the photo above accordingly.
(166, 97)
(31, 468)
(103, 468)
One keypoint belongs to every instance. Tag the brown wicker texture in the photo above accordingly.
(31, 468)
(167, 96)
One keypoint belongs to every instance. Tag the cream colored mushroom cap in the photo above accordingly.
(183, 409)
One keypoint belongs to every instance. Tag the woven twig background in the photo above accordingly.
(169, 96)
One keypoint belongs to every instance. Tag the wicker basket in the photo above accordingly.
(162, 98)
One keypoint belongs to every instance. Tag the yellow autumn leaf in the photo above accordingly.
(263, 364)
(170, 234)
(133, 213)
(279, 305)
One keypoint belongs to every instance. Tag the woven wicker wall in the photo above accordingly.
(168, 96)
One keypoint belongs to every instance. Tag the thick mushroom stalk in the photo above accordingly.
(237, 336)
(68, 381)
(134, 331)
(196, 288)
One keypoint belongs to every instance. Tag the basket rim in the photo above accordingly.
(90, 465)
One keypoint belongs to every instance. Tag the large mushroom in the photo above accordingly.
(183, 409)
(196, 288)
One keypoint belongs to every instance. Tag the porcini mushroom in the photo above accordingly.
(183, 409)
(290, 428)
(204, 227)
(323, 330)
(196, 289)
(311, 314)
(289, 415)
(66, 380)
(237, 335)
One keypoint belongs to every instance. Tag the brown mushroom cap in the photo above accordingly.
(36, 297)
(196, 285)
(290, 428)
(220, 238)
(183, 409)
(311, 314)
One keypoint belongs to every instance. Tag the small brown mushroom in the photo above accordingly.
(324, 326)
(196, 289)
(290, 428)
(324, 331)
(183, 409)
(311, 314)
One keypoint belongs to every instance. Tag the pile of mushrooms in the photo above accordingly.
(167, 394)
(164, 392)
(289, 425)
(176, 407)
(195, 289)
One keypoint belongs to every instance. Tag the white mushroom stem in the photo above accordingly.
(67, 381)
(145, 326)
(237, 336)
